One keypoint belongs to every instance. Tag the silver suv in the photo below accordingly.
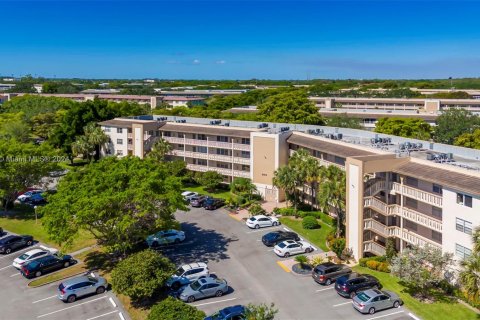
(188, 273)
(71, 289)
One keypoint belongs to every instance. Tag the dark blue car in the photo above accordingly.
(229, 313)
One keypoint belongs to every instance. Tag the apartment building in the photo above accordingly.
(416, 192)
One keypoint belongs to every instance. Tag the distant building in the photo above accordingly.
(38, 88)
(6, 86)
(183, 101)
(101, 91)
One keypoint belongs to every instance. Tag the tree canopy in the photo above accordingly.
(119, 201)
(174, 309)
(453, 123)
(405, 127)
(469, 140)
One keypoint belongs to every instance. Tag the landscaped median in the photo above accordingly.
(443, 309)
(317, 237)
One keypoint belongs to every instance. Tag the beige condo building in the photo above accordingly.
(416, 192)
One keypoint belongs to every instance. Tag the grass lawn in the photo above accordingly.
(427, 311)
(222, 193)
(79, 268)
(317, 237)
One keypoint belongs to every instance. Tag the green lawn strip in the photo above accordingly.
(426, 311)
(317, 237)
(223, 194)
(77, 269)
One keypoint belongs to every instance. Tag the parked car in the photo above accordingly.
(273, 238)
(35, 200)
(370, 301)
(290, 247)
(212, 203)
(165, 237)
(348, 285)
(33, 254)
(204, 288)
(1, 231)
(28, 194)
(187, 274)
(229, 313)
(46, 264)
(197, 201)
(187, 195)
(328, 272)
(261, 221)
(72, 289)
(11, 243)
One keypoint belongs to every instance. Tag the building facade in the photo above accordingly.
(425, 194)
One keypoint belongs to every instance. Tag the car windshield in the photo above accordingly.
(179, 272)
(195, 286)
(24, 256)
(252, 219)
(271, 236)
(92, 279)
(364, 297)
(282, 245)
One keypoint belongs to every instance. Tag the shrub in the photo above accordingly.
(391, 250)
(316, 260)
(338, 245)
(372, 264)
(255, 209)
(383, 267)
(302, 259)
(174, 309)
(310, 223)
(363, 261)
(141, 275)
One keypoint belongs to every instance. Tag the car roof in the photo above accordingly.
(33, 251)
(372, 293)
(75, 280)
(259, 216)
(289, 241)
(326, 265)
(194, 265)
(229, 310)
(8, 238)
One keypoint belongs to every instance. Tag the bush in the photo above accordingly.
(302, 259)
(174, 309)
(141, 275)
(316, 260)
(310, 223)
(255, 209)
(363, 261)
(372, 264)
(383, 267)
(338, 245)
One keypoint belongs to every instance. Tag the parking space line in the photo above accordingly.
(19, 251)
(44, 299)
(411, 315)
(329, 288)
(121, 316)
(342, 304)
(284, 267)
(286, 229)
(57, 311)
(112, 302)
(102, 315)
(14, 275)
(234, 217)
(9, 266)
(386, 315)
(204, 304)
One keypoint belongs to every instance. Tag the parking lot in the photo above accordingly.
(235, 252)
(18, 301)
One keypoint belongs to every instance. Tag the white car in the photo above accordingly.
(33, 254)
(261, 221)
(27, 195)
(165, 237)
(187, 274)
(290, 247)
(188, 195)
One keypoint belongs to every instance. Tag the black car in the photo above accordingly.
(212, 204)
(273, 238)
(1, 231)
(36, 268)
(198, 201)
(328, 272)
(12, 243)
(349, 285)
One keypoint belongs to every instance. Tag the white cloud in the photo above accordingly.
(196, 61)
(220, 62)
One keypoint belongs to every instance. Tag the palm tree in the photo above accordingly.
(243, 185)
(160, 149)
(312, 174)
(287, 179)
(81, 146)
(333, 194)
(95, 137)
(476, 240)
(470, 275)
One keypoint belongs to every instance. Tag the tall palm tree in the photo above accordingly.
(470, 275)
(476, 240)
(312, 174)
(160, 149)
(243, 185)
(333, 194)
(95, 137)
(81, 147)
(287, 179)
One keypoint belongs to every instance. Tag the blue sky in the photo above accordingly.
(241, 39)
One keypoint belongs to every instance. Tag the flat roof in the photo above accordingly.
(208, 129)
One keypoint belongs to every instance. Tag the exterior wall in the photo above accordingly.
(432, 105)
(114, 147)
(263, 152)
(137, 130)
(354, 208)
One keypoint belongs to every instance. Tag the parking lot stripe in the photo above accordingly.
(121, 316)
(284, 267)
(112, 302)
(44, 299)
(411, 315)
(102, 315)
(342, 304)
(386, 315)
(204, 304)
(57, 311)
(5, 267)
(329, 288)
(14, 275)
(234, 217)
(19, 251)
(286, 229)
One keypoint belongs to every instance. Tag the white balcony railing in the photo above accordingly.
(418, 194)
(196, 167)
(208, 143)
(378, 186)
(216, 157)
(373, 247)
(224, 171)
(174, 140)
(241, 174)
(328, 163)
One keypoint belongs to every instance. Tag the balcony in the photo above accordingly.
(378, 227)
(378, 186)
(129, 135)
(215, 157)
(241, 174)
(129, 146)
(375, 248)
(418, 194)
(328, 163)
(174, 140)
(207, 143)
(196, 167)
(418, 240)
(224, 171)
(404, 212)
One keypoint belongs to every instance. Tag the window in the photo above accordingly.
(412, 203)
(245, 140)
(222, 139)
(462, 252)
(464, 200)
(409, 225)
(437, 212)
(181, 135)
(119, 130)
(119, 141)
(106, 129)
(463, 226)
(119, 153)
(222, 165)
(339, 160)
(437, 236)
(150, 132)
(200, 162)
(200, 149)
(437, 189)
(200, 137)
(167, 134)
(223, 152)
(412, 182)
(245, 154)
(129, 130)
(130, 141)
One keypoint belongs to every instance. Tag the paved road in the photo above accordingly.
(235, 252)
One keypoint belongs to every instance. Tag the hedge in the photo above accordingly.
(376, 263)
(310, 222)
(316, 214)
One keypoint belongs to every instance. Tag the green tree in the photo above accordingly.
(405, 127)
(211, 180)
(32, 105)
(470, 274)
(290, 107)
(44, 124)
(141, 275)
(391, 250)
(421, 268)
(23, 166)
(243, 186)
(92, 140)
(452, 123)
(338, 245)
(288, 180)
(13, 126)
(160, 149)
(469, 140)
(174, 309)
(344, 121)
(260, 312)
(308, 170)
(333, 194)
(255, 209)
(119, 201)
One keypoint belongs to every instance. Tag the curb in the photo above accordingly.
(63, 278)
(284, 267)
